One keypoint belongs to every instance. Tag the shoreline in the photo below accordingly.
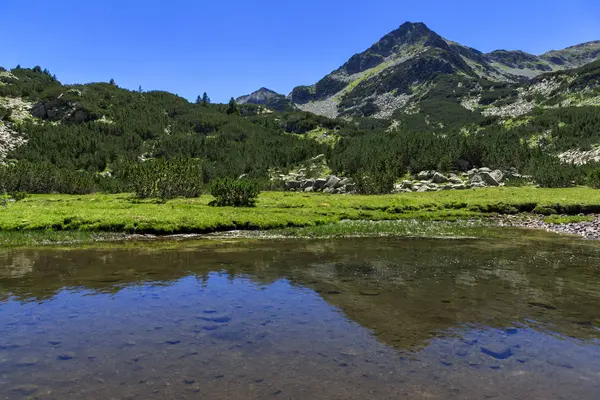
(474, 228)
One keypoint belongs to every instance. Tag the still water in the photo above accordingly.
(508, 318)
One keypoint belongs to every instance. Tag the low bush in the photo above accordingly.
(374, 183)
(593, 179)
(164, 179)
(234, 192)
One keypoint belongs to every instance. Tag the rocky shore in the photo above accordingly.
(587, 229)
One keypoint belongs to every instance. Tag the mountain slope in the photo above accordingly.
(402, 68)
(268, 98)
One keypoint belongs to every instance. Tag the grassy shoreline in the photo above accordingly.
(77, 218)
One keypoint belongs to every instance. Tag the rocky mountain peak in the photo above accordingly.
(261, 96)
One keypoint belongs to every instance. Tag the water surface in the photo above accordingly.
(508, 318)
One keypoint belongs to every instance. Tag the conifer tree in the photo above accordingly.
(232, 107)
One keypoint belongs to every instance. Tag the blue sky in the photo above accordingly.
(232, 47)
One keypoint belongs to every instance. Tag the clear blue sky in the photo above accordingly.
(233, 47)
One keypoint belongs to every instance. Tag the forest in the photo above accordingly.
(85, 138)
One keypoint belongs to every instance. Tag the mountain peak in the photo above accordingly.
(261, 96)
(268, 98)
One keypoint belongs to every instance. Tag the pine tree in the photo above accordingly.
(232, 107)
(198, 99)
(140, 89)
(205, 99)
(112, 82)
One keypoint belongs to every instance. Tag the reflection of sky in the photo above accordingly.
(282, 332)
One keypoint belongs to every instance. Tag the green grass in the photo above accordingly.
(47, 215)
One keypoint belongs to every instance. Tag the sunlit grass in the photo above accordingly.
(55, 217)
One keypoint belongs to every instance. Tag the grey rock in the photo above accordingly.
(446, 187)
(407, 185)
(439, 178)
(476, 179)
(332, 181)
(292, 184)
(497, 175)
(484, 169)
(308, 183)
(328, 190)
(66, 356)
(459, 186)
(498, 351)
(489, 179)
(309, 189)
(455, 180)
(319, 183)
(472, 172)
(424, 188)
(344, 182)
(26, 390)
(425, 175)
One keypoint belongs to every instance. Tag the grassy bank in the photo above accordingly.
(122, 213)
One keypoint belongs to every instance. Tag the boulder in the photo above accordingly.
(472, 172)
(319, 183)
(309, 189)
(485, 169)
(424, 188)
(497, 175)
(406, 185)
(489, 179)
(292, 185)
(446, 187)
(332, 181)
(308, 183)
(477, 179)
(425, 175)
(439, 178)
(344, 182)
(460, 186)
(328, 190)
(455, 180)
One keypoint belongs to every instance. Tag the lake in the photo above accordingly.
(514, 317)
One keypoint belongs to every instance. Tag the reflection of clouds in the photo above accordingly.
(20, 265)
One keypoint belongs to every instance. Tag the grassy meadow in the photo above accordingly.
(56, 218)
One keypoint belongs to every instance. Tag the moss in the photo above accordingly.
(544, 210)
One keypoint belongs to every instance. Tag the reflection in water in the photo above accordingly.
(345, 319)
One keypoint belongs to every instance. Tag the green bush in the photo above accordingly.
(593, 179)
(234, 192)
(18, 196)
(374, 183)
(544, 210)
(164, 179)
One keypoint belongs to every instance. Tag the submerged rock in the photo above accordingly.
(498, 351)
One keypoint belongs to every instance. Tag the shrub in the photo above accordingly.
(164, 179)
(374, 183)
(18, 196)
(234, 192)
(544, 210)
(593, 178)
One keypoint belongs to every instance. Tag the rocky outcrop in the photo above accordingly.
(332, 184)
(61, 109)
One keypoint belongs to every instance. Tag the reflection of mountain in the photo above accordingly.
(406, 291)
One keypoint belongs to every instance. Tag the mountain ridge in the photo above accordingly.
(397, 71)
